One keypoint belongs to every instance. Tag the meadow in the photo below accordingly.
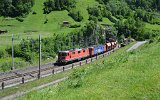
(29, 85)
(34, 24)
(122, 75)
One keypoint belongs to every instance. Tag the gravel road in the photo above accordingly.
(135, 46)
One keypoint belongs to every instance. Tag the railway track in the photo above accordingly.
(25, 75)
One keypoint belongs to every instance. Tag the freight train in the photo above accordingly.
(69, 56)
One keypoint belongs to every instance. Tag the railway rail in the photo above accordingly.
(25, 75)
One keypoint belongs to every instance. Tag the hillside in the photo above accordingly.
(33, 25)
(133, 75)
(124, 18)
(69, 24)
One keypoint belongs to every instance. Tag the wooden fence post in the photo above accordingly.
(22, 80)
(2, 85)
(53, 71)
(72, 66)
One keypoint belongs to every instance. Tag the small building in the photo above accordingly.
(3, 31)
(66, 22)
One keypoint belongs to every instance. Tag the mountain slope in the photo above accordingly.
(123, 75)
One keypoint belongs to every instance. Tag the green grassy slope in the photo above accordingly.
(34, 23)
(134, 75)
(29, 85)
(152, 27)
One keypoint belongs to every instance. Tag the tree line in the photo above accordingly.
(14, 8)
(84, 37)
(52, 5)
(144, 4)
(131, 15)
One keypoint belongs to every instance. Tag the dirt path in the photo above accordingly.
(135, 46)
(18, 94)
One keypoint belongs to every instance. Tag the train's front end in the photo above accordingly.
(62, 57)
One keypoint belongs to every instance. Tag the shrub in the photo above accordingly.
(34, 13)
(6, 66)
(100, 18)
(19, 19)
(151, 41)
(76, 15)
(46, 21)
(93, 18)
(14, 8)
(112, 19)
(2, 53)
(51, 5)
(96, 12)
(76, 78)
(119, 17)
(158, 39)
(75, 25)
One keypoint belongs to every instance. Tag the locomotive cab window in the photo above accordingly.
(83, 50)
(73, 52)
(62, 54)
(79, 51)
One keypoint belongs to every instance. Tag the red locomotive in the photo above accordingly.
(72, 55)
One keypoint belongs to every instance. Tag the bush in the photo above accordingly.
(119, 17)
(100, 18)
(96, 12)
(14, 8)
(75, 80)
(112, 19)
(2, 53)
(158, 39)
(51, 5)
(75, 25)
(19, 19)
(151, 41)
(46, 21)
(76, 15)
(93, 18)
(6, 66)
(34, 13)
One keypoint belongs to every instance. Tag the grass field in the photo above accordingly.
(33, 25)
(152, 27)
(134, 75)
(30, 85)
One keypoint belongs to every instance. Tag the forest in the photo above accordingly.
(14, 8)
